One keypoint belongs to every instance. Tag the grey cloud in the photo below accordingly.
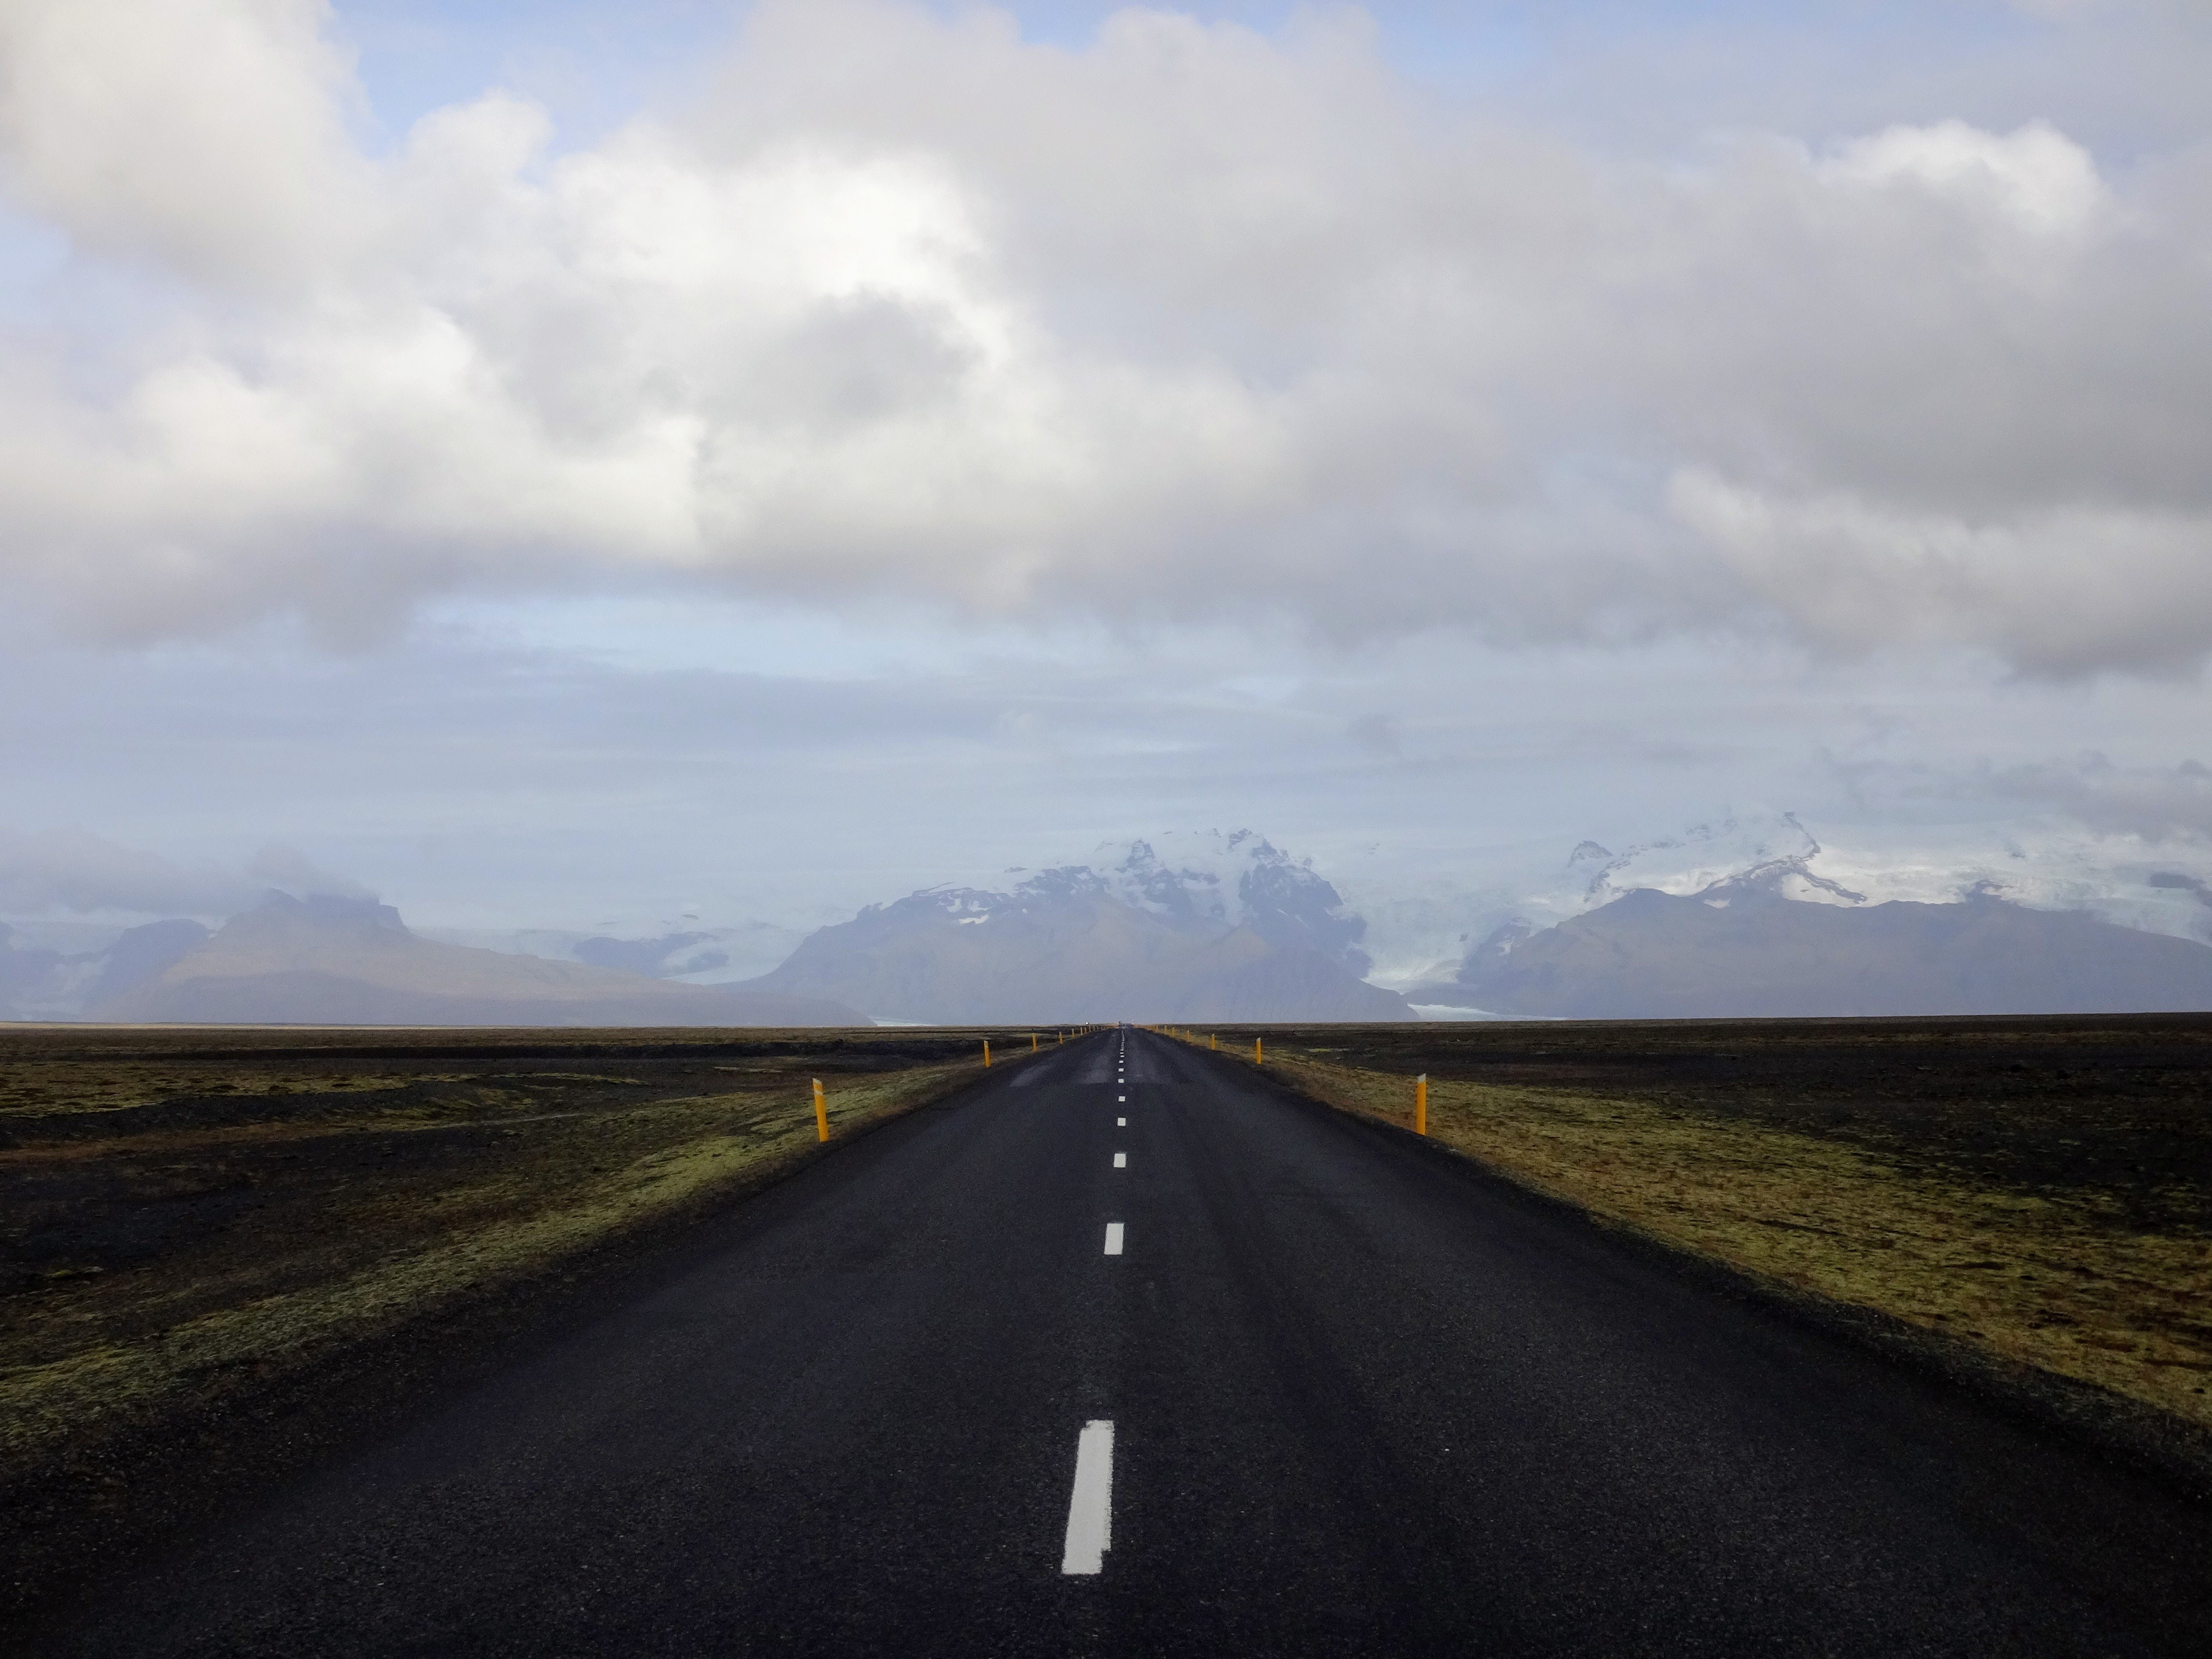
(2153, 802)
(1377, 733)
(1191, 321)
(289, 868)
(74, 870)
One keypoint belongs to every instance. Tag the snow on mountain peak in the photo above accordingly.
(1237, 879)
(1701, 857)
(2160, 887)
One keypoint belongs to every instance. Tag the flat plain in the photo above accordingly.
(209, 1237)
(2036, 1190)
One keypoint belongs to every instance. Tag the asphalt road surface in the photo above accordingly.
(1338, 1393)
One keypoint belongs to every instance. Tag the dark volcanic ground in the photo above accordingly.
(2119, 1106)
(1364, 1398)
(152, 1180)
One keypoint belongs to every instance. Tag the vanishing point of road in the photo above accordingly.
(1126, 1352)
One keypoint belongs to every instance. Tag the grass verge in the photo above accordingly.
(224, 1253)
(1871, 1181)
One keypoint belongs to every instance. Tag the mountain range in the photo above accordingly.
(1742, 947)
(326, 960)
(1729, 920)
(1143, 939)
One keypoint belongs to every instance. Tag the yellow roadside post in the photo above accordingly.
(1032, 1042)
(987, 1054)
(1421, 1104)
(821, 1114)
(1259, 1053)
(1209, 1040)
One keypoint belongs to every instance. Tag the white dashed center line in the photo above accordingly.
(1091, 1508)
(1120, 1123)
(1120, 1160)
(1113, 1239)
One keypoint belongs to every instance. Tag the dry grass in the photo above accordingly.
(2068, 1281)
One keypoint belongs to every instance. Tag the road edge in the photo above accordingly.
(95, 1516)
(2156, 1444)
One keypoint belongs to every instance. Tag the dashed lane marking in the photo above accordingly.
(1120, 1160)
(1090, 1506)
(1113, 1239)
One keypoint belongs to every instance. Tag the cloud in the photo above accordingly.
(2037, 798)
(289, 868)
(1188, 321)
(2036, 177)
(2059, 591)
(73, 870)
(2155, 803)
(208, 135)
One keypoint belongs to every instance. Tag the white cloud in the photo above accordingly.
(1190, 320)
(206, 134)
(2036, 177)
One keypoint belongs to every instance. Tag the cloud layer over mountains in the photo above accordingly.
(74, 870)
(1183, 319)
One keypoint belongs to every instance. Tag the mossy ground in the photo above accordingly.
(2041, 1188)
(184, 1214)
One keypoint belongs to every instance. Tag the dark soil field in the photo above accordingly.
(2037, 1189)
(224, 1250)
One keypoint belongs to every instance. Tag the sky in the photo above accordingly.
(571, 466)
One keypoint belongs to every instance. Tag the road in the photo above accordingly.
(1363, 1399)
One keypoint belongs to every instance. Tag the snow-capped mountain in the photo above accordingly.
(1420, 931)
(1758, 916)
(1232, 879)
(2156, 887)
(1223, 928)
(1741, 950)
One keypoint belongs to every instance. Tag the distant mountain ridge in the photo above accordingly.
(1223, 926)
(1737, 918)
(1143, 939)
(1741, 949)
(341, 961)
(40, 982)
